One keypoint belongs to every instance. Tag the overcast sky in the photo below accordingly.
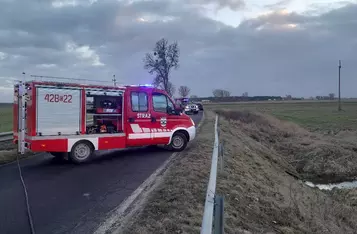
(263, 47)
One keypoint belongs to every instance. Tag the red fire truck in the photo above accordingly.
(73, 120)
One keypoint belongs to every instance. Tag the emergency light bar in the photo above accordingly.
(142, 85)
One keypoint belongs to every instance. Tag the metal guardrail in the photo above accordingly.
(213, 216)
(5, 136)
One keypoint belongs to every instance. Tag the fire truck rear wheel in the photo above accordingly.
(178, 142)
(81, 152)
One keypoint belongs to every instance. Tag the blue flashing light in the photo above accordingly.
(142, 85)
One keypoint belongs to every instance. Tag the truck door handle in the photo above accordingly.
(153, 119)
(131, 120)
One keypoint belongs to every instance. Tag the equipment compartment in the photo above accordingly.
(104, 112)
(58, 111)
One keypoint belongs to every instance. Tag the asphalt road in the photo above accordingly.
(66, 198)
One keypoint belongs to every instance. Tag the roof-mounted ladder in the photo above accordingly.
(75, 81)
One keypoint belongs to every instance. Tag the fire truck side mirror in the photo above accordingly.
(171, 111)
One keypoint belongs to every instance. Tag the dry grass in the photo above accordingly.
(7, 156)
(5, 117)
(318, 158)
(176, 206)
(8, 152)
(317, 116)
(262, 197)
(264, 157)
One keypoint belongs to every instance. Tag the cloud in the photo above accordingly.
(84, 53)
(275, 53)
(278, 5)
(231, 4)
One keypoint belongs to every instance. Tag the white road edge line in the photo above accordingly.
(147, 186)
(123, 207)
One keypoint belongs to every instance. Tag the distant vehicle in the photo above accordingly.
(200, 106)
(191, 109)
(182, 102)
(53, 117)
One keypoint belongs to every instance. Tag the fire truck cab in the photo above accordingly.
(73, 120)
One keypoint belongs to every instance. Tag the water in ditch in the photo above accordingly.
(342, 185)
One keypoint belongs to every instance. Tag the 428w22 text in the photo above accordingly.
(66, 98)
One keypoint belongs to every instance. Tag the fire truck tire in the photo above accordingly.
(178, 142)
(81, 152)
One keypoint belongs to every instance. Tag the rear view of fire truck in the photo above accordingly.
(53, 117)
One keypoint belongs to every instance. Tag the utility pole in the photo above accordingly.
(114, 81)
(339, 85)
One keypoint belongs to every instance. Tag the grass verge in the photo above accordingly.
(263, 158)
(320, 116)
(318, 158)
(5, 117)
(7, 156)
(176, 205)
(8, 152)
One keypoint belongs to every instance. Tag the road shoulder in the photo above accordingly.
(173, 195)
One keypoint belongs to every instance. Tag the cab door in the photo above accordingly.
(138, 119)
(163, 123)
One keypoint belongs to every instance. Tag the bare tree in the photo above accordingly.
(331, 96)
(221, 93)
(245, 94)
(184, 91)
(171, 89)
(164, 58)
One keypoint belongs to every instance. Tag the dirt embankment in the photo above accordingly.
(264, 157)
(317, 158)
